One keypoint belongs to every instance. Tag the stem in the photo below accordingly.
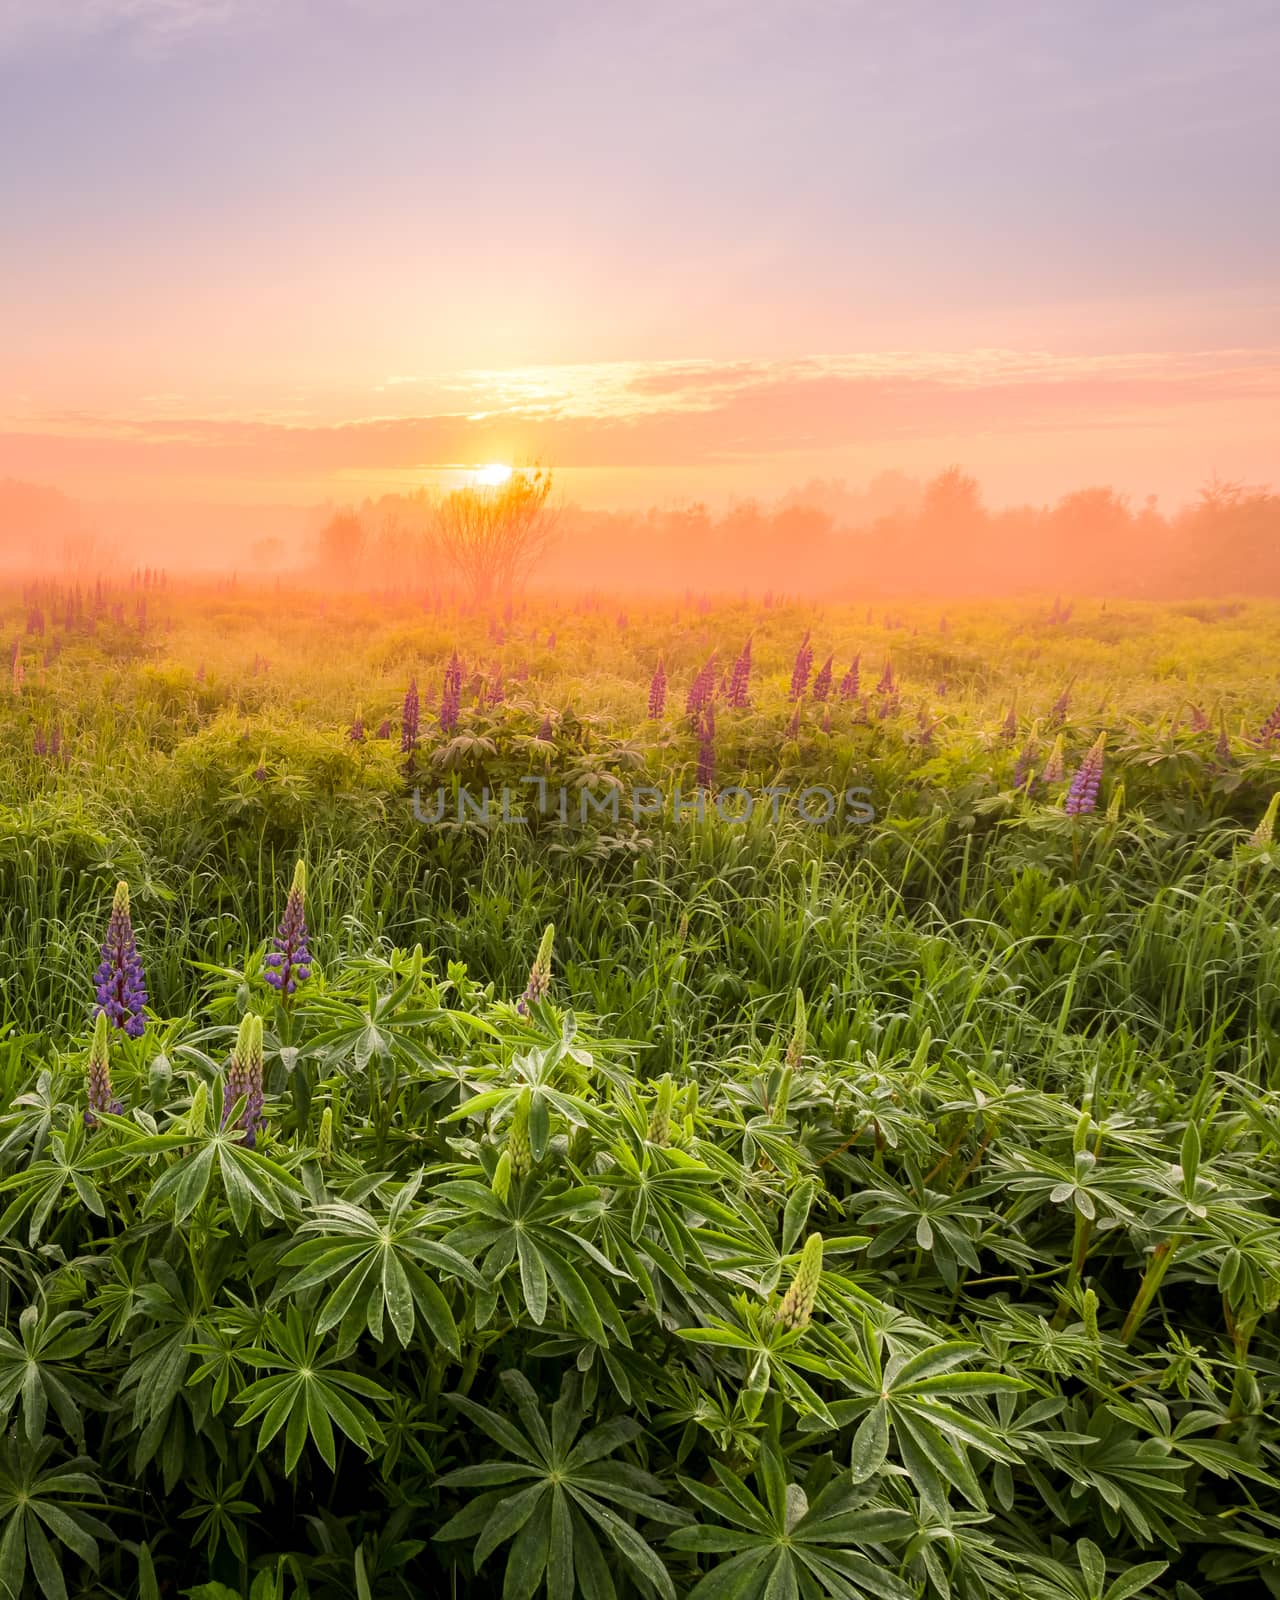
(1152, 1278)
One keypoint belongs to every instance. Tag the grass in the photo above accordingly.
(1027, 1097)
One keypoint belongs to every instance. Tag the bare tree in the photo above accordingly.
(492, 534)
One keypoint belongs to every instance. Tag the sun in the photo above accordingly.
(491, 476)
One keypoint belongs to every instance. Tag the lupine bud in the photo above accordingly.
(1010, 728)
(539, 974)
(1269, 729)
(519, 1148)
(1080, 1138)
(1265, 831)
(1089, 1316)
(1116, 805)
(244, 1079)
(118, 981)
(657, 692)
(797, 1305)
(356, 732)
(501, 1184)
(782, 1099)
(799, 1032)
(98, 1075)
(289, 962)
(1058, 711)
(1054, 767)
(1082, 796)
(659, 1131)
(198, 1116)
(822, 683)
(324, 1140)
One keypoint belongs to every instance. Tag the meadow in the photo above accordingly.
(666, 1203)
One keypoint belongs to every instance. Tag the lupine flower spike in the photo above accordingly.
(799, 1033)
(850, 685)
(409, 717)
(120, 986)
(796, 1309)
(244, 1080)
(659, 1130)
(1082, 796)
(802, 668)
(739, 692)
(822, 683)
(658, 692)
(539, 974)
(1055, 766)
(98, 1075)
(1264, 833)
(519, 1146)
(289, 962)
(1270, 729)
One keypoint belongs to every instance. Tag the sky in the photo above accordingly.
(267, 251)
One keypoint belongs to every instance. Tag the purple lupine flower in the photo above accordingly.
(793, 727)
(260, 771)
(539, 974)
(289, 962)
(1082, 796)
(1010, 728)
(1270, 728)
(1199, 720)
(1058, 711)
(702, 689)
(496, 692)
(1054, 767)
(738, 691)
(451, 696)
(355, 734)
(707, 749)
(801, 670)
(98, 1076)
(822, 683)
(39, 743)
(545, 732)
(55, 742)
(384, 728)
(409, 716)
(244, 1081)
(1222, 746)
(887, 684)
(658, 692)
(850, 684)
(1023, 777)
(119, 982)
(826, 721)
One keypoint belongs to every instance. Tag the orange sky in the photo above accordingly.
(285, 252)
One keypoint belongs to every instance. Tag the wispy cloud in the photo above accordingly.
(663, 415)
(148, 25)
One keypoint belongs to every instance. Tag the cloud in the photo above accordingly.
(664, 415)
(149, 25)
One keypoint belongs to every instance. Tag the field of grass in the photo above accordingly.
(876, 1205)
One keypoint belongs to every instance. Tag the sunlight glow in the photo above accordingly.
(491, 476)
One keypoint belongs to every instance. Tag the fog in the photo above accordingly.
(892, 536)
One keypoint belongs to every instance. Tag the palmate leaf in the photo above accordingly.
(379, 1261)
(40, 1367)
(307, 1393)
(251, 1182)
(781, 1545)
(43, 1506)
(558, 1498)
